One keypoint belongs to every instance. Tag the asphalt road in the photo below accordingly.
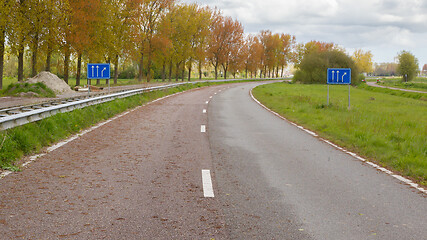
(278, 182)
(140, 177)
(137, 177)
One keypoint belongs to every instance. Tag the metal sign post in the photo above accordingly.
(98, 71)
(339, 76)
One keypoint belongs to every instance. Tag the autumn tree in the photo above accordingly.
(114, 23)
(44, 18)
(254, 55)
(65, 36)
(201, 37)
(237, 59)
(5, 10)
(83, 28)
(310, 47)
(225, 40)
(363, 60)
(191, 29)
(57, 13)
(19, 32)
(165, 49)
(286, 51)
(145, 24)
(424, 71)
(407, 66)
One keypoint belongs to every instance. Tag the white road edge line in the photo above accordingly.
(207, 183)
(76, 136)
(203, 128)
(400, 178)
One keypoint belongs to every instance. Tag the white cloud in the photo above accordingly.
(384, 26)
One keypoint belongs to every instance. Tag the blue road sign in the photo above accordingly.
(98, 71)
(339, 75)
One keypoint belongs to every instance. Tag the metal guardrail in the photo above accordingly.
(17, 116)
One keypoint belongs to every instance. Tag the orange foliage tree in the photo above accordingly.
(226, 39)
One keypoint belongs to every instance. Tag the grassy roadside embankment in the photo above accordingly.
(32, 137)
(419, 83)
(389, 130)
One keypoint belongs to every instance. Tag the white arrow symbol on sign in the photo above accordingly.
(338, 76)
(343, 77)
(102, 72)
(92, 70)
(97, 72)
(333, 76)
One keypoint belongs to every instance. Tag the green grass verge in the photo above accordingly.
(420, 96)
(30, 138)
(414, 85)
(390, 130)
(27, 89)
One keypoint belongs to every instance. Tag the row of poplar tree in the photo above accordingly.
(177, 38)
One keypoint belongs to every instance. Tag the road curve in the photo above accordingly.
(278, 182)
(140, 177)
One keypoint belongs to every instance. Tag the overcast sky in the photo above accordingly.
(385, 27)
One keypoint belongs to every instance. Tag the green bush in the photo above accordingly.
(314, 66)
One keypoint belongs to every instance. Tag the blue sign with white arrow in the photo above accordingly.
(339, 75)
(98, 71)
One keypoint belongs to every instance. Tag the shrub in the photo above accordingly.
(314, 66)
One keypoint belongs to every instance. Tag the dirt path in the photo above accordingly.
(374, 84)
(138, 177)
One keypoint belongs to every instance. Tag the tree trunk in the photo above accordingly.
(170, 71)
(177, 72)
(189, 70)
(66, 63)
(216, 71)
(79, 68)
(149, 66)
(2, 37)
(164, 70)
(141, 65)
(283, 70)
(34, 58)
(116, 68)
(21, 63)
(48, 57)
(200, 70)
(182, 72)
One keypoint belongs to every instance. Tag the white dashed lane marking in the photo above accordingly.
(207, 183)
